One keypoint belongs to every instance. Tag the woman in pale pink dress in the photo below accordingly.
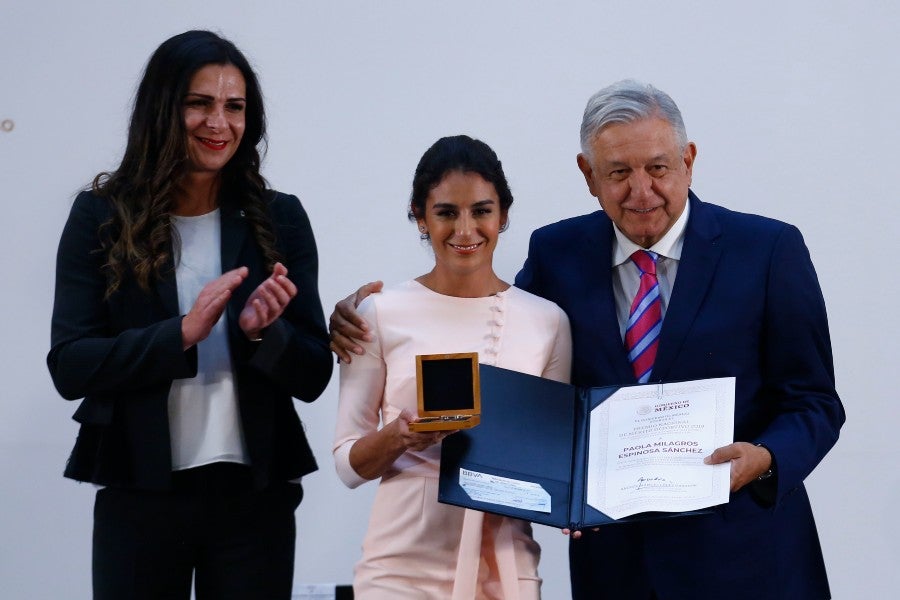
(416, 547)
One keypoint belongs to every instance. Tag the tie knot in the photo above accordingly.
(645, 261)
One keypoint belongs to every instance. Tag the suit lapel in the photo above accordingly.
(166, 287)
(598, 256)
(234, 234)
(699, 258)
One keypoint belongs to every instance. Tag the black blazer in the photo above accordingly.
(121, 354)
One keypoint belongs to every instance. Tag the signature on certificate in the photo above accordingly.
(643, 482)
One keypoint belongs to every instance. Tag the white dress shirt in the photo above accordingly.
(204, 418)
(627, 277)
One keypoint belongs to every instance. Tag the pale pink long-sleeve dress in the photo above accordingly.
(415, 547)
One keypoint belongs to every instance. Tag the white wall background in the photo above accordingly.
(793, 106)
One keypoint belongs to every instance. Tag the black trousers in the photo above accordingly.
(233, 541)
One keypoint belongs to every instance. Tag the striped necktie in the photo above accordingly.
(645, 318)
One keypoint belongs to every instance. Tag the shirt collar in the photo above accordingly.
(669, 246)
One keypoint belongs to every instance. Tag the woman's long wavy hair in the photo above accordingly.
(138, 238)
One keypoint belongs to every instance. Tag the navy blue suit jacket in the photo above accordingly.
(122, 353)
(746, 303)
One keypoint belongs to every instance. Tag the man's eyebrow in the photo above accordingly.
(612, 163)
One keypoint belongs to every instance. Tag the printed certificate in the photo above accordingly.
(647, 444)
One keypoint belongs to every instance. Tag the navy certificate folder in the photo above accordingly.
(533, 430)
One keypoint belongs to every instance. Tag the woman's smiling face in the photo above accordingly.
(214, 116)
(463, 219)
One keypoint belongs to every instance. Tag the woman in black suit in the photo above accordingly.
(187, 315)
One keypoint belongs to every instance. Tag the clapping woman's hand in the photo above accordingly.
(267, 302)
(198, 323)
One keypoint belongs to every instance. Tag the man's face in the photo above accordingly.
(641, 177)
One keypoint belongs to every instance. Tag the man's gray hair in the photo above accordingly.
(627, 101)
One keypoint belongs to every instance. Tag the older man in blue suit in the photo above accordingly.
(737, 296)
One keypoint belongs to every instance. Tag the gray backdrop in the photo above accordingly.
(792, 106)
